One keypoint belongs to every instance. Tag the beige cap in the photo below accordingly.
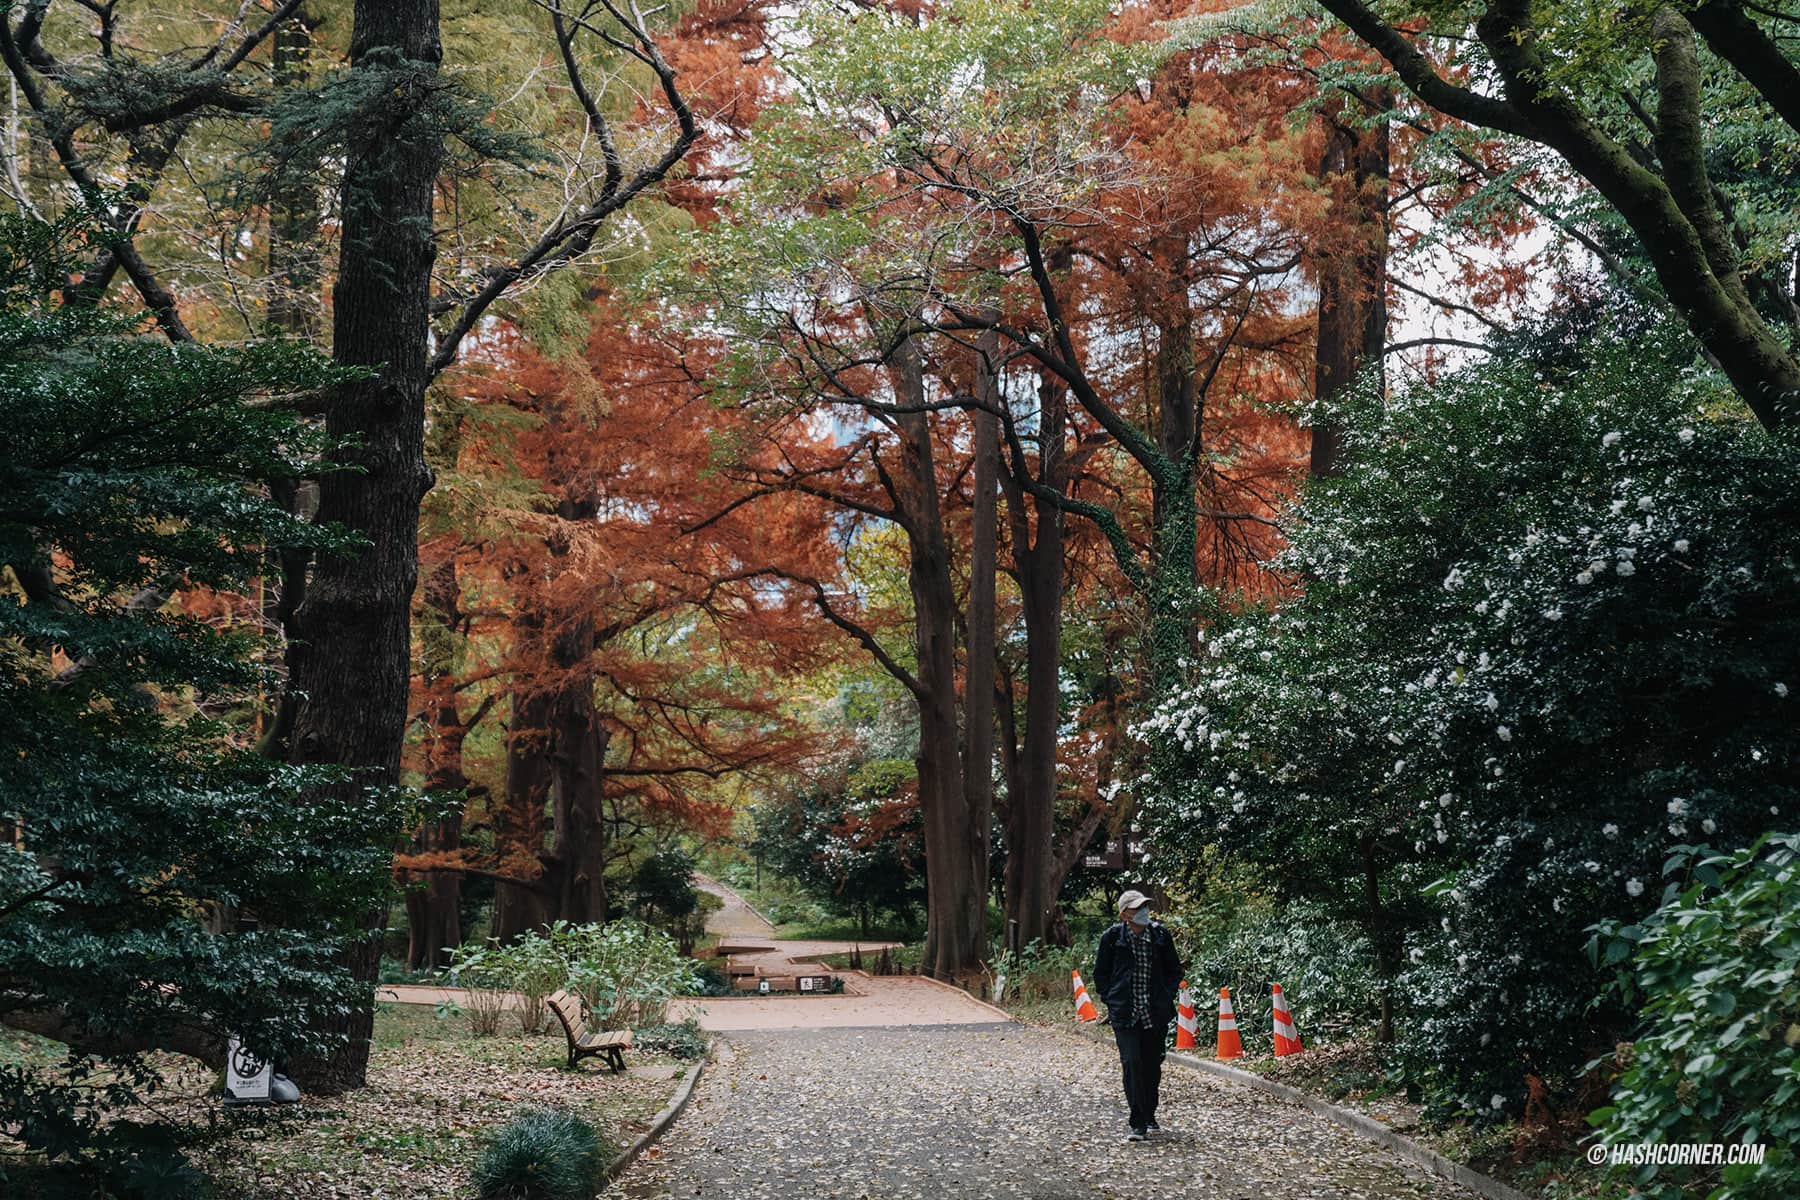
(1132, 899)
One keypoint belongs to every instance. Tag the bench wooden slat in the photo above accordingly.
(584, 1042)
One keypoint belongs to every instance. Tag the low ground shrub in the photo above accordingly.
(483, 972)
(709, 981)
(542, 1154)
(1039, 971)
(625, 972)
(537, 970)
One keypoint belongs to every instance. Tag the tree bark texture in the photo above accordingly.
(556, 766)
(978, 673)
(293, 311)
(520, 904)
(1173, 598)
(1030, 891)
(354, 666)
(955, 849)
(434, 898)
(1352, 326)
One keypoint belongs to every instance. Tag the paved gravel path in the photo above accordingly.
(997, 1110)
(735, 917)
(887, 1000)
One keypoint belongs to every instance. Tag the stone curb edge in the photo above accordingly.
(1368, 1127)
(660, 1123)
(1004, 1015)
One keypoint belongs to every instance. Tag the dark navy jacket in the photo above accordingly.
(1112, 974)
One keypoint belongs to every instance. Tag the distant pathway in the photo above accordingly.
(996, 1111)
(736, 917)
(887, 1000)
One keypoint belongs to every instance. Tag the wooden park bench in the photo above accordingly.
(583, 1042)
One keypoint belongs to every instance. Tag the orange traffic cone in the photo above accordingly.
(1287, 1038)
(1230, 1044)
(1187, 1024)
(1084, 1008)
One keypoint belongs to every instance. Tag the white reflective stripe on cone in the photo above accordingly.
(1227, 1023)
(1285, 1030)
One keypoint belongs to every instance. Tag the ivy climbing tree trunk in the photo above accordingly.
(1174, 597)
(354, 667)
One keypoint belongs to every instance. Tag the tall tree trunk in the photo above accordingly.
(1031, 892)
(1382, 936)
(354, 668)
(556, 758)
(1352, 282)
(978, 673)
(1174, 597)
(434, 898)
(955, 877)
(576, 873)
(1100, 805)
(294, 310)
(521, 905)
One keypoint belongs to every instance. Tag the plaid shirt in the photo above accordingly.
(1143, 955)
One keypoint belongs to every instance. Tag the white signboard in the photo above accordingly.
(247, 1078)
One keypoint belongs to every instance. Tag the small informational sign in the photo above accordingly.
(814, 983)
(999, 988)
(247, 1077)
(1112, 860)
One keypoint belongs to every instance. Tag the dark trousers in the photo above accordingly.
(1141, 1056)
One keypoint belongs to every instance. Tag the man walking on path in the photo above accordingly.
(1137, 971)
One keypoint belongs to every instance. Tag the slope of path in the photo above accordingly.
(734, 918)
(998, 1111)
(736, 922)
(883, 1000)
(868, 1000)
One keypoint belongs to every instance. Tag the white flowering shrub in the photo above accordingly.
(1321, 964)
(1548, 625)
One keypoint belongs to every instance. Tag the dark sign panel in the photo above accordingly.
(1112, 860)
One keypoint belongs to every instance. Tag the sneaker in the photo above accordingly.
(1136, 1135)
(1152, 1127)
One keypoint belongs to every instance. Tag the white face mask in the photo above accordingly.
(1141, 917)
